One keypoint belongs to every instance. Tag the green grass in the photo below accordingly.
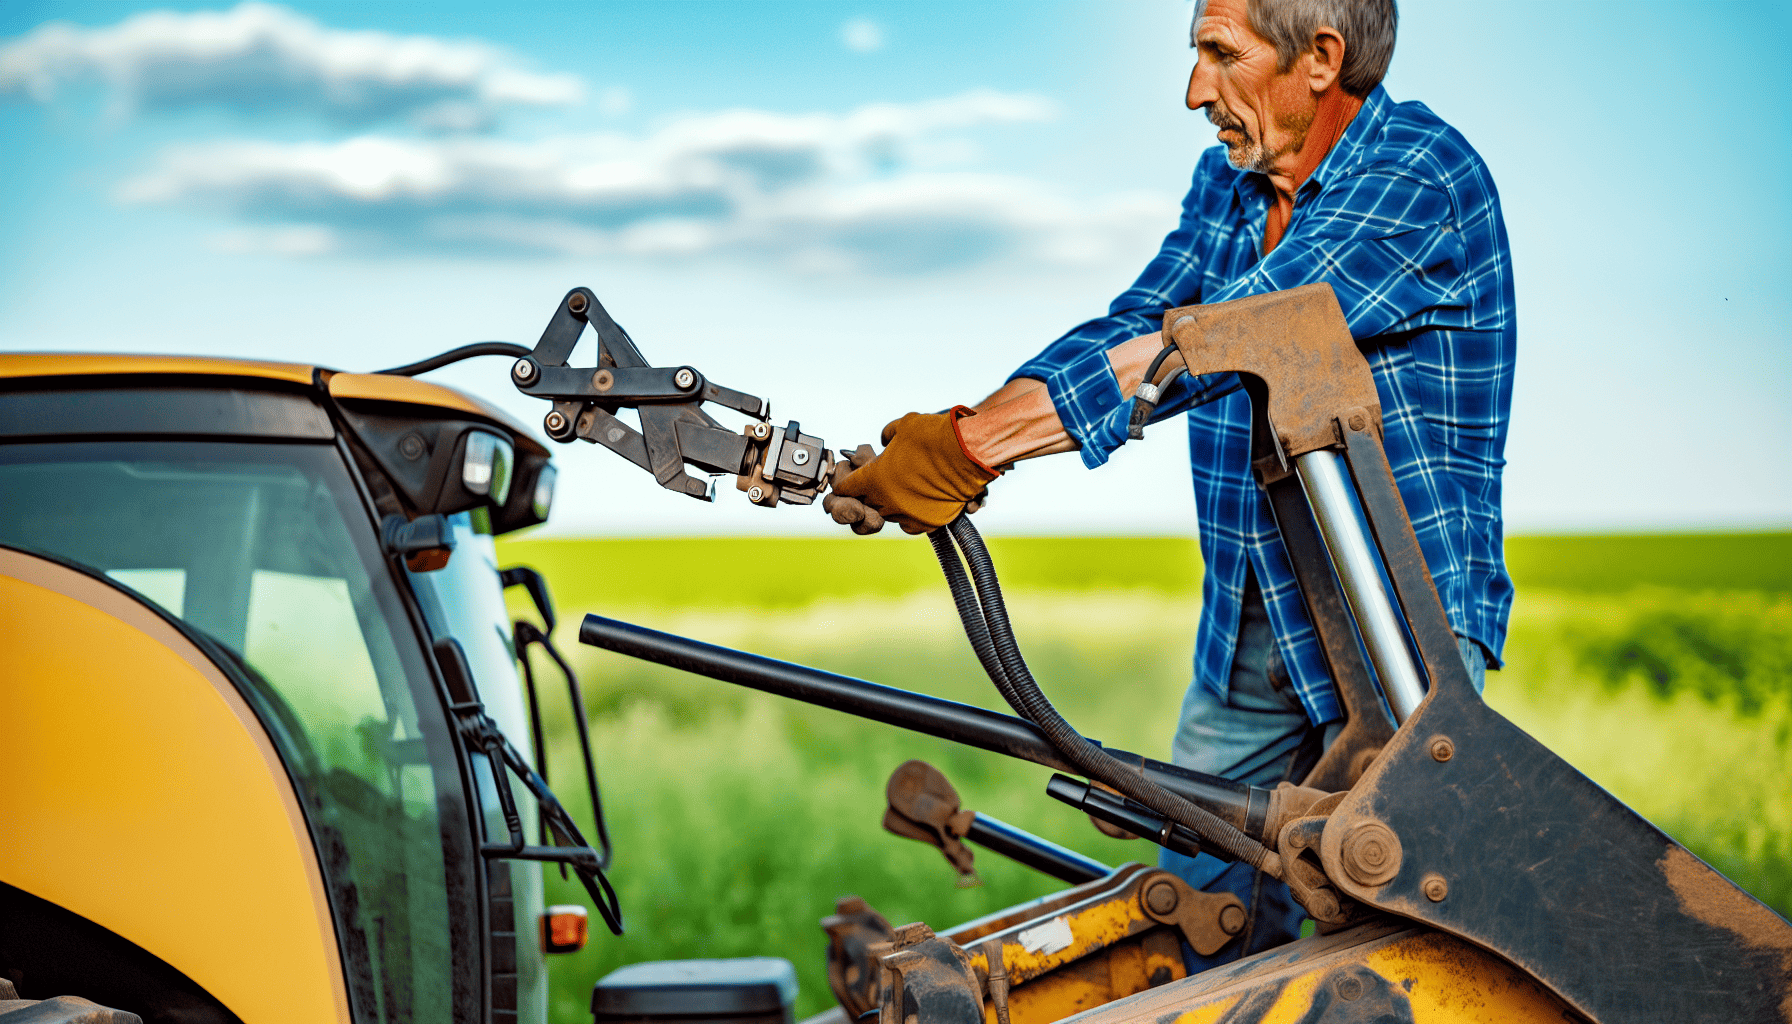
(739, 817)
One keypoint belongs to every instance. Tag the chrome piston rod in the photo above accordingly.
(1328, 488)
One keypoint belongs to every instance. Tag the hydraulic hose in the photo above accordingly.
(1090, 760)
(455, 355)
(971, 614)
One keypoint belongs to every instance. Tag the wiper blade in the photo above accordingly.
(480, 733)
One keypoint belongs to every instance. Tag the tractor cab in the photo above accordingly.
(256, 624)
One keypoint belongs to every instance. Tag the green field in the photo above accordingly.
(1658, 666)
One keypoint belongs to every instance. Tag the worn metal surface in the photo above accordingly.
(1542, 866)
(853, 973)
(923, 805)
(926, 978)
(1055, 957)
(1380, 972)
(1297, 343)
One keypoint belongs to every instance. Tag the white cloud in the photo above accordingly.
(862, 35)
(821, 192)
(258, 57)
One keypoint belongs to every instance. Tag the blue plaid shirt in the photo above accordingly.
(1402, 219)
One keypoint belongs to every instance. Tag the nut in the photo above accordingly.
(1371, 853)
(762, 430)
(755, 493)
(800, 456)
(1161, 898)
(1435, 887)
(555, 423)
(576, 302)
(684, 378)
(603, 380)
(1442, 749)
(1232, 919)
(524, 370)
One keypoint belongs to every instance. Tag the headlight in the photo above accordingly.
(486, 468)
(544, 492)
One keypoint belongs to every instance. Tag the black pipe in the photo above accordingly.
(1130, 815)
(1238, 804)
(1036, 853)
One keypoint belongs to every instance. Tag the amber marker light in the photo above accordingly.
(564, 929)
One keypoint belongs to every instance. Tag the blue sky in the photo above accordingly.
(858, 209)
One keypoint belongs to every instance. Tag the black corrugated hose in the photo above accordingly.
(986, 623)
(971, 614)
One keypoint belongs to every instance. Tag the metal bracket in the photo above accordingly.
(780, 464)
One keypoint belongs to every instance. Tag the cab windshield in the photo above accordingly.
(266, 551)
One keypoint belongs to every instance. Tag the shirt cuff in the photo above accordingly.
(1087, 396)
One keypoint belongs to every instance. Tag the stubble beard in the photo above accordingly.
(1249, 153)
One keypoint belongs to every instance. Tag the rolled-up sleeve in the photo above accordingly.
(1075, 368)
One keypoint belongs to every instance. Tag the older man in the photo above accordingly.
(1322, 178)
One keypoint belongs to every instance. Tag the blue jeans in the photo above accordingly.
(1257, 733)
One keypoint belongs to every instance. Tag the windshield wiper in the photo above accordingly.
(480, 733)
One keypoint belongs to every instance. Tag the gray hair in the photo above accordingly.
(1367, 26)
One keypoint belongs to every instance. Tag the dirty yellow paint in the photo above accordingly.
(158, 807)
(1445, 980)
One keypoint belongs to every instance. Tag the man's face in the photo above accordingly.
(1263, 116)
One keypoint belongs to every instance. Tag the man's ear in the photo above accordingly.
(1325, 59)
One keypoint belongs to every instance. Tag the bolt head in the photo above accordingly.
(1161, 898)
(1435, 887)
(762, 431)
(1442, 749)
(1371, 854)
(1350, 989)
(684, 378)
(1232, 919)
(1358, 423)
(603, 380)
(755, 493)
(1180, 321)
(524, 370)
(800, 456)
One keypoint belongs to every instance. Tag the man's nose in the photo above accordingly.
(1201, 90)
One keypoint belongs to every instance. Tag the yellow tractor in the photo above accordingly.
(269, 757)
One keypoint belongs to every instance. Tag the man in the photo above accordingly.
(1322, 178)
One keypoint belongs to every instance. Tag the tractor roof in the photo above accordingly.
(373, 387)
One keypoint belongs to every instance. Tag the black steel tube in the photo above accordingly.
(1036, 853)
(1130, 815)
(1234, 802)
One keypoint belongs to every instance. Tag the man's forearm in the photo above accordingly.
(1020, 422)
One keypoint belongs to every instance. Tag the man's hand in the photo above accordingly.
(923, 480)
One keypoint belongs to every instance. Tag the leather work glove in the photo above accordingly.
(922, 481)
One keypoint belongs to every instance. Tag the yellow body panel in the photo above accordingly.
(1430, 977)
(1115, 951)
(375, 387)
(56, 364)
(142, 793)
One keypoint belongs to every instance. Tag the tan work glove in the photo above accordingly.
(922, 481)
